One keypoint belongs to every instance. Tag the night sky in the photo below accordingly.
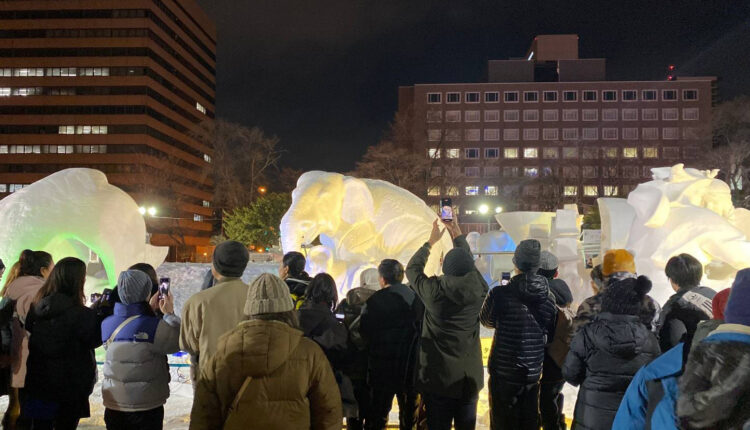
(323, 75)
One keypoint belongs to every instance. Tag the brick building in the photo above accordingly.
(117, 87)
(548, 129)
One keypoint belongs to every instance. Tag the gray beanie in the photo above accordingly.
(458, 262)
(268, 294)
(230, 258)
(133, 286)
(528, 255)
(548, 261)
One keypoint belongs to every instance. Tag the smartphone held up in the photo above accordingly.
(446, 209)
(163, 287)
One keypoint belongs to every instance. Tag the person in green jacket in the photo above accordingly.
(450, 373)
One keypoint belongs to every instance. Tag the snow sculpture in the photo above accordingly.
(72, 211)
(680, 210)
(359, 222)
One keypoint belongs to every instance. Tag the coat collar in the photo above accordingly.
(122, 310)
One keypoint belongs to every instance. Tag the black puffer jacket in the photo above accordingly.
(715, 387)
(391, 323)
(604, 356)
(61, 366)
(298, 284)
(523, 314)
(319, 324)
(681, 314)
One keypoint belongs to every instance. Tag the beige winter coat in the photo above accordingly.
(22, 290)
(207, 315)
(284, 382)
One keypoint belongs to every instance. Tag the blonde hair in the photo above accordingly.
(13, 273)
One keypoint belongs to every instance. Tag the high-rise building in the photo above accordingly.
(116, 87)
(549, 129)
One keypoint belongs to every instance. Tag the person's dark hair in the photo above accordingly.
(289, 317)
(295, 261)
(322, 289)
(391, 271)
(684, 270)
(32, 262)
(67, 278)
(549, 274)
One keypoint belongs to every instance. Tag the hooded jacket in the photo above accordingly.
(136, 374)
(22, 291)
(351, 307)
(450, 355)
(604, 355)
(523, 314)
(681, 314)
(61, 366)
(715, 387)
(288, 383)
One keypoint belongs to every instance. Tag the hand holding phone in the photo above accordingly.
(505, 280)
(446, 209)
(163, 287)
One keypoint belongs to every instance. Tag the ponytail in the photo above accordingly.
(32, 262)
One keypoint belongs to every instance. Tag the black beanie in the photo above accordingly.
(230, 259)
(625, 297)
(458, 262)
(528, 255)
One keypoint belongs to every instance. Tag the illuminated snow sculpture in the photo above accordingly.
(680, 211)
(71, 212)
(358, 222)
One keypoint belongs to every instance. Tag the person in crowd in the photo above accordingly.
(319, 323)
(551, 398)
(605, 354)
(13, 273)
(292, 271)
(449, 373)
(61, 370)
(34, 267)
(650, 400)
(356, 369)
(265, 373)
(523, 314)
(210, 313)
(714, 391)
(2, 268)
(689, 305)
(136, 375)
(617, 264)
(391, 324)
(107, 309)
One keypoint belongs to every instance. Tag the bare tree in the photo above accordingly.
(731, 147)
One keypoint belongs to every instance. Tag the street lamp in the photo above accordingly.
(262, 190)
(152, 211)
(142, 210)
(484, 209)
(498, 209)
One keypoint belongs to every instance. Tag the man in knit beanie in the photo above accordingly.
(449, 373)
(210, 313)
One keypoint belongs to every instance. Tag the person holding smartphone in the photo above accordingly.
(136, 378)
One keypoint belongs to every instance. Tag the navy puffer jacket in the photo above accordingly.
(523, 314)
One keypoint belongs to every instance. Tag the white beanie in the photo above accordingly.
(268, 294)
(370, 279)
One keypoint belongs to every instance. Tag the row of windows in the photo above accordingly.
(82, 129)
(588, 172)
(12, 188)
(567, 96)
(607, 133)
(552, 153)
(529, 190)
(53, 149)
(549, 115)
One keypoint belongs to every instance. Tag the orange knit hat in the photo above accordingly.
(618, 260)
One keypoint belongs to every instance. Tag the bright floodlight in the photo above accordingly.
(152, 211)
(484, 209)
(498, 209)
(142, 210)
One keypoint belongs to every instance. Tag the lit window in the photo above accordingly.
(472, 190)
(3, 188)
(670, 114)
(453, 97)
(570, 190)
(471, 172)
(433, 191)
(452, 153)
(690, 114)
(3, 149)
(530, 96)
(650, 133)
(453, 116)
(549, 134)
(433, 153)
(206, 204)
(5, 72)
(609, 133)
(570, 114)
(530, 134)
(670, 133)
(491, 116)
(491, 172)
(550, 96)
(471, 116)
(650, 114)
(433, 98)
(590, 190)
(434, 135)
(570, 133)
(510, 115)
(609, 114)
(570, 152)
(5, 92)
(510, 152)
(550, 114)
(510, 134)
(630, 152)
(471, 153)
(610, 190)
(550, 153)
(451, 190)
(629, 95)
(472, 134)
(648, 95)
(435, 116)
(510, 96)
(200, 108)
(66, 129)
(530, 153)
(610, 152)
(630, 133)
(650, 152)
(491, 134)
(630, 114)
(490, 190)
(206, 158)
(531, 115)
(491, 153)
(669, 95)
(609, 95)
(491, 97)
(589, 96)
(472, 97)
(570, 96)
(197, 218)
(531, 172)
(590, 133)
(690, 94)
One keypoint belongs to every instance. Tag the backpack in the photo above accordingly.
(560, 344)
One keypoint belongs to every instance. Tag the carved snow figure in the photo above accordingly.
(74, 210)
(359, 222)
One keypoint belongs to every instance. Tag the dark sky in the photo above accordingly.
(323, 75)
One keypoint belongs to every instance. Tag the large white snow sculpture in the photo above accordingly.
(72, 211)
(680, 210)
(359, 222)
